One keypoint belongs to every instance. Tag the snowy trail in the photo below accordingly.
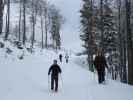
(28, 80)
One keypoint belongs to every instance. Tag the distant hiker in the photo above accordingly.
(60, 57)
(54, 70)
(100, 64)
(66, 57)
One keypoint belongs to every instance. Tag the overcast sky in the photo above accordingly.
(71, 29)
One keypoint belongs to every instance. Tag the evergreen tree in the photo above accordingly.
(109, 35)
(56, 22)
(89, 29)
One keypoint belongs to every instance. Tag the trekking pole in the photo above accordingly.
(61, 80)
(48, 83)
(94, 74)
(107, 75)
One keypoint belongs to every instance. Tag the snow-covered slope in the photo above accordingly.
(71, 30)
(27, 79)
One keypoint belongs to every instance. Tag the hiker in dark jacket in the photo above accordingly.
(100, 64)
(66, 57)
(54, 70)
(60, 57)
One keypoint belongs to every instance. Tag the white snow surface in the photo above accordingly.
(27, 79)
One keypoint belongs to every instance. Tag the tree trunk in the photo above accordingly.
(129, 41)
(42, 31)
(91, 38)
(24, 23)
(20, 23)
(33, 26)
(8, 21)
(120, 36)
(46, 29)
(102, 26)
(122, 48)
(124, 58)
(1, 15)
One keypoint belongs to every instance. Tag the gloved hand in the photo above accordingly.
(48, 73)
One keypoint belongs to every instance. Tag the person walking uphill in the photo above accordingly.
(66, 57)
(60, 57)
(100, 64)
(54, 70)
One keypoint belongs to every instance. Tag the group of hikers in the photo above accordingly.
(99, 63)
(66, 57)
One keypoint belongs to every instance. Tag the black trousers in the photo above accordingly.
(66, 60)
(101, 76)
(54, 83)
(60, 59)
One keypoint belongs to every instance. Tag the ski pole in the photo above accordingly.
(48, 83)
(108, 74)
(94, 75)
(106, 77)
(61, 80)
